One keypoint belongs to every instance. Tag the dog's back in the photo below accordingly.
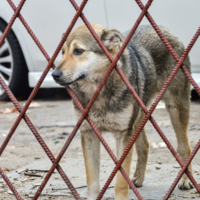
(146, 37)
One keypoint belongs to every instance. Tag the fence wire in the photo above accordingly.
(85, 111)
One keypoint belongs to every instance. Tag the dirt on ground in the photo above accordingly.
(54, 120)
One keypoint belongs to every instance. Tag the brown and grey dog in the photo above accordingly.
(147, 64)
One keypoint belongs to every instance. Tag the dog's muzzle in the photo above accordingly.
(57, 74)
(59, 78)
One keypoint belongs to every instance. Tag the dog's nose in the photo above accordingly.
(56, 74)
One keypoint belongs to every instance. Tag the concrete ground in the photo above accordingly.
(52, 120)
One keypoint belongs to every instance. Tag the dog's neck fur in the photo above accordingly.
(86, 88)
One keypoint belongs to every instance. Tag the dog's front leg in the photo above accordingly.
(121, 185)
(91, 151)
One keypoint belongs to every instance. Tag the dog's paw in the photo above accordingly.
(137, 181)
(185, 184)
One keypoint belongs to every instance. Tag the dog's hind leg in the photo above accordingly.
(178, 108)
(121, 185)
(91, 151)
(142, 149)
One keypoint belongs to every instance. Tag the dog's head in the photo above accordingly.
(82, 56)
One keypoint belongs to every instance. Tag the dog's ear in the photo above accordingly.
(112, 39)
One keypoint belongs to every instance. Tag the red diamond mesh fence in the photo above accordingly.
(85, 111)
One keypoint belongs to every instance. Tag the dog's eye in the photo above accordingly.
(63, 52)
(78, 51)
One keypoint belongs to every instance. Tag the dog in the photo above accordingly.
(147, 64)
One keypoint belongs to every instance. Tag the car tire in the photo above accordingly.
(13, 67)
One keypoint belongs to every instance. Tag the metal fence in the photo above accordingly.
(85, 111)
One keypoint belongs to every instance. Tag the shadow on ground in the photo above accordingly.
(52, 94)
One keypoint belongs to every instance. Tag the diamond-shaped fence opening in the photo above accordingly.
(85, 111)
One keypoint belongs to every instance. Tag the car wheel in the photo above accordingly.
(13, 68)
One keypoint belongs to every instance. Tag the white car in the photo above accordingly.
(22, 63)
